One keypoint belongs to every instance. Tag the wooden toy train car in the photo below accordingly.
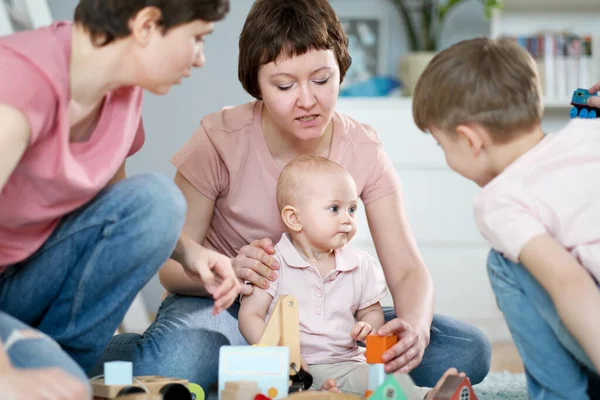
(580, 108)
(146, 388)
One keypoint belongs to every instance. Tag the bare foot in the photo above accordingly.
(330, 386)
(438, 385)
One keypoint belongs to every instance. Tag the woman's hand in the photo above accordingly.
(255, 265)
(215, 271)
(594, 101)
(408, 352)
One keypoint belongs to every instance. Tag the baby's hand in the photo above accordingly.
(360, 331)
(330, 386)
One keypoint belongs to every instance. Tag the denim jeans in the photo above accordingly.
(78, 286)
(556, 366)
(185, 338)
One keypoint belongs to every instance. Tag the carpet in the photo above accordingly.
(502, 385)
(497, 385)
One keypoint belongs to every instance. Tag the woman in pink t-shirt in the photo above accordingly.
(78, 240)
(293, 57)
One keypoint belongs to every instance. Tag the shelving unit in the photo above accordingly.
(531, 17)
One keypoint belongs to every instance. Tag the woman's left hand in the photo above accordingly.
(408, 352)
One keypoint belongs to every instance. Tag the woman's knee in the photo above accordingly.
(162, 203)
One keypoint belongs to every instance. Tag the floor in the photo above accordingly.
(505, 358)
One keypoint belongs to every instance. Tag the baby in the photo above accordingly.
(338, 289)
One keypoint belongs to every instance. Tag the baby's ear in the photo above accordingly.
(289, 215)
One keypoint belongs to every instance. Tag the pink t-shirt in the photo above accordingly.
(227, 160)
(54, 176)
(552, 189)
(327, 305)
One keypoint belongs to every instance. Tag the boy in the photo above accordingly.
(539, 207)
(338, 289)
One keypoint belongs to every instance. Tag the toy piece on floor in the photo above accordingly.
(319, 395)
(240, 390)
(377, 345)
(580, 107)
(396, 386)
(456, 388)
(142, 387)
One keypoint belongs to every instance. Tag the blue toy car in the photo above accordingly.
(581, 108)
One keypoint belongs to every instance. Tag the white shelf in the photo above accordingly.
(405, 103)
(537, 5)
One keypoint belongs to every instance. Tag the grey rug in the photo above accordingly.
(497, 385)
(502, 385)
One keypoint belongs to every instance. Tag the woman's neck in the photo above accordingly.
(94, 71)
(284, 147)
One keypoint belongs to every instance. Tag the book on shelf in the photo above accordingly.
(565, 62)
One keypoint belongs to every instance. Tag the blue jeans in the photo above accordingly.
(185, 338)
(556, 366)
(78, 286)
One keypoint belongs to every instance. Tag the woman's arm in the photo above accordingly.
(200, 210)
(571, 288)
(14, 138)
(407, 278)
(253, 312)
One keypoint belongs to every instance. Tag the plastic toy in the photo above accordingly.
(580, 107)
(396, 387)
(266, 367)
(456, 388)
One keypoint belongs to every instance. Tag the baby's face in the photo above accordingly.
(328, 212)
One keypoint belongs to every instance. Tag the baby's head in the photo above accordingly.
(478, 94)
(318, 198)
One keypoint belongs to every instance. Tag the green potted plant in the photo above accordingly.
(423, 22)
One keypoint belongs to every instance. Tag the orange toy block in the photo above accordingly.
(377, 345)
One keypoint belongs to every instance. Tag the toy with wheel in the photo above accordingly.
(580, 108)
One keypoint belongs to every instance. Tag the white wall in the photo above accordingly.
(170, 120)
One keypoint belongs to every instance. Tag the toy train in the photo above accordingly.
(580, 108)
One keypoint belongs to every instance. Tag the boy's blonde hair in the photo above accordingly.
(490, 82)
(292, 182)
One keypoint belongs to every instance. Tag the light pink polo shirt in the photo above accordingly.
(555, 189)
(227, 160)
(327, 305)
(54, 176)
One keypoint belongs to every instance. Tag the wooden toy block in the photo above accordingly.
(154, 384)
(456, 388)
(240, 390)
(377, 345)
(318, 395)
(118, 373)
